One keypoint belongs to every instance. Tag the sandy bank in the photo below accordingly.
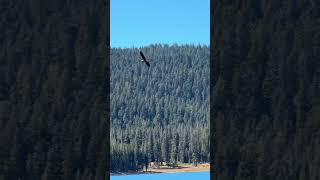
(165, 169)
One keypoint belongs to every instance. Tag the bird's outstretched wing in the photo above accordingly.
(148, 64)
(143, 57)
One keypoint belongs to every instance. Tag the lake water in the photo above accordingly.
(166, 176)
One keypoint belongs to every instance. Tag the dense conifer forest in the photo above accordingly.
(53, 95)
(160, 113)
(265, 94)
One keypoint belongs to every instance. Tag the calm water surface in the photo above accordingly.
(166, 176)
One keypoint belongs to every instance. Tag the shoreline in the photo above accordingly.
(181, 168)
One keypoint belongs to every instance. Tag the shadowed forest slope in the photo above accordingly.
(159, 113)
(265, 90)
(53, 62)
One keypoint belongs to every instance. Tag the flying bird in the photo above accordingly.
(144, 59)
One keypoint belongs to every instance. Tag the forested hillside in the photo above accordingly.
(159, 113)
(265, 90)
(53, 95)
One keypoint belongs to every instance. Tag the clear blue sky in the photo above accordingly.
(135, 23)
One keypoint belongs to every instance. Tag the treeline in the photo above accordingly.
(53, 66)
(137, 146)
(265, 90)
(159, 114)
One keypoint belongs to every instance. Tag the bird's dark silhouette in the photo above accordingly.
(144, 59)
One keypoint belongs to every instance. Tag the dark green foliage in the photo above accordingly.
(53, 64)
(159, 113)
(265, 90)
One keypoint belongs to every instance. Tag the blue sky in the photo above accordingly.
(136, 23)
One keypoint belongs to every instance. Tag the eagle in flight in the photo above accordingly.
(144, 59)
